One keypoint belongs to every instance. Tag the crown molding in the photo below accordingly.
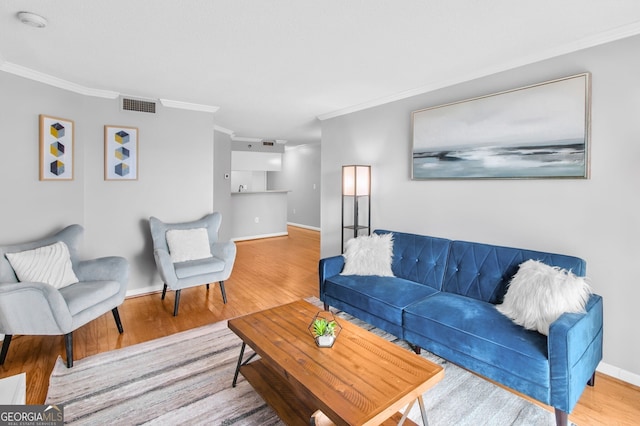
(585, 43)
(235, 138)
(187, 105)
(50, 80)
(223, 130)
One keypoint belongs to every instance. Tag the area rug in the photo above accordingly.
(186, 379)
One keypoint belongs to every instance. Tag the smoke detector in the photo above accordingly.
(32, 19)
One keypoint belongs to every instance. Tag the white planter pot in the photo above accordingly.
(325, 341)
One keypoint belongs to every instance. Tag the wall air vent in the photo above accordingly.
(130, 104)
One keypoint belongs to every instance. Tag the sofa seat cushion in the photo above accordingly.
(384, 297)
(86, 294)
(198, 267)
(478, 330)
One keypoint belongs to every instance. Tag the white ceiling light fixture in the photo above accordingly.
(32, 19)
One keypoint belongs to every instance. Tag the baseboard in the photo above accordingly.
(619, 373)
(257, 237)
(143, 290)
(299, 225)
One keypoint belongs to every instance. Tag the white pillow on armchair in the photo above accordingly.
(48, 264)
(188, 244)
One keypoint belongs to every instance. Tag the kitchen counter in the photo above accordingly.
(258, 214)
(270, 191)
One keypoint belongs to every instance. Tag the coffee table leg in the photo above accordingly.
(240, 363)
(235, 376)
(423, 411)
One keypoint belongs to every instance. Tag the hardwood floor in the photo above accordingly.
(267, 273)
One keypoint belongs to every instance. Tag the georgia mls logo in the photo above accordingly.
(54, 407)
(31, 415)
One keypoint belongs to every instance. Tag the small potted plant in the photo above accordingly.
(324, 329)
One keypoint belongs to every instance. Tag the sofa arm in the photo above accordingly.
(329, 267)
(165, 267)
(33, 308)
(225, 251)
(111, 268)
(574, 349)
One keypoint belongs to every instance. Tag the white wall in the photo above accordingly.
(300, 174)
(222, 181)
(596, 219)
(175, 174)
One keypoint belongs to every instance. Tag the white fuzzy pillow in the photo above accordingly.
(48, 264)
(538, 294)
(369, 255)
(188, 244)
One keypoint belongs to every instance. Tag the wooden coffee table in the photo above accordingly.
(362, 380)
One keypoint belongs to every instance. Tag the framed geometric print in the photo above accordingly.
(120, 153)
(56, 148)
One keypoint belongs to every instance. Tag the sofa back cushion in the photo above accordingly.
(419, 258)
(483, 271)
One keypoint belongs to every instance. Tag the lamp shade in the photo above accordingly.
(356, 180)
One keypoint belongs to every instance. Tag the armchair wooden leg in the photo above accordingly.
(177, 302)
(5, 348)
(164, 291)
(224, 294)
(592, 380)
(68, 342)
(116, 316)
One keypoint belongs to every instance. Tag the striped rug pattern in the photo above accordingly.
(186, 378)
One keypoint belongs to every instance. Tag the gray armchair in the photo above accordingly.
(183, 272)
(37, 308)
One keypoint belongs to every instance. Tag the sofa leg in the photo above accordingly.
(326, 306)
(224, 294)
(164, 291)
(116, 316)
(562, 417)
(177, 302)
(592, 380)
(207, 286)
(68, 343)
(415, 348)
(5, 348)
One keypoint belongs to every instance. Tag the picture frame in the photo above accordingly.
(120, 153)
(537, 131)
(56, 148)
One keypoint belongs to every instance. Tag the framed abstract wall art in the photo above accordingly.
(56, 148)
(538, 131)
(120, 153)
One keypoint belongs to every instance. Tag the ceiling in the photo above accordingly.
(274, 66)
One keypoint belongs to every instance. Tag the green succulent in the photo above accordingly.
(322, 327)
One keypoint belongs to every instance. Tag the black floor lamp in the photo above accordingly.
(356, 200)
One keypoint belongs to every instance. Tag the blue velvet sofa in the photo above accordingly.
(442, 298)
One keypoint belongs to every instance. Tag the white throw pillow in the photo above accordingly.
(369, 255)
(188, 244)
(538, 294)
(48, 264)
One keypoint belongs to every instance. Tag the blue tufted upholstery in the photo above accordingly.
(482, 271)
(443, 299)
(418, 258)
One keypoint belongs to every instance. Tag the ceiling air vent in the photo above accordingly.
(130, 104)
(268, 142)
